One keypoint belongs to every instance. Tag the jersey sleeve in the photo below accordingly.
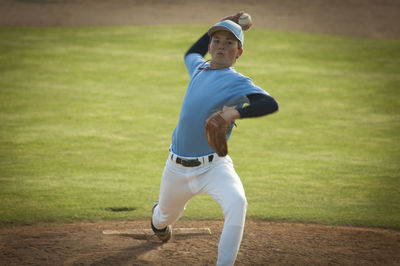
(193, 61)
(239, 87)
(245, 86)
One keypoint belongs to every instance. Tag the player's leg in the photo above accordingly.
(174, 194)
(223, 184)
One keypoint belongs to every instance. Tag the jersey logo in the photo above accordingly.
(204, 68)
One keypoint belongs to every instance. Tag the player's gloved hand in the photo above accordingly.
(218, 126)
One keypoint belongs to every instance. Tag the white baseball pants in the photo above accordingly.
(219, 180)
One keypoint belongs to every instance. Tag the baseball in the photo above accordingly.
(244, 19)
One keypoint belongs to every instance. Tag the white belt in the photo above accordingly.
(192, 162)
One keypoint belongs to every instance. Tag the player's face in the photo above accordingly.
(223, 49)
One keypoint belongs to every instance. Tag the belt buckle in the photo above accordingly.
(188, 163)
(191, 163)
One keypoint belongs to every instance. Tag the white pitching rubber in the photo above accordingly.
(175, 231)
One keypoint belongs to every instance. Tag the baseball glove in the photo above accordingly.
(216, 131)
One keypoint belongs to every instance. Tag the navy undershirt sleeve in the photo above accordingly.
(201, 46)
(260, 104)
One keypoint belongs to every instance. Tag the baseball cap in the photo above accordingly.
(228, 25)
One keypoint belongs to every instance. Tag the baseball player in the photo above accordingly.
(193, 167)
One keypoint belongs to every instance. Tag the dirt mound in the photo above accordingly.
(264, 243)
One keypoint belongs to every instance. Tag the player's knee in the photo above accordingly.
(235, 211)
(240, 202)
(243, 203)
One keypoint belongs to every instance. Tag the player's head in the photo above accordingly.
(226, 43)
(228, 25)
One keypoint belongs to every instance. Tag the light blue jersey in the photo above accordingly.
(209, 91)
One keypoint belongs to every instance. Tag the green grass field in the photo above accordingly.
(86, 116)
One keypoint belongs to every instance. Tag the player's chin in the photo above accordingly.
(223, 63)
(224, 60)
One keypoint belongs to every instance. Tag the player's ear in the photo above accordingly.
(240, 52)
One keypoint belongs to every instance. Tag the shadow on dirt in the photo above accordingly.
(131, 254)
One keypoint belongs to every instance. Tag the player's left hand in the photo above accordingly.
(217, 129)
(230, 114)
